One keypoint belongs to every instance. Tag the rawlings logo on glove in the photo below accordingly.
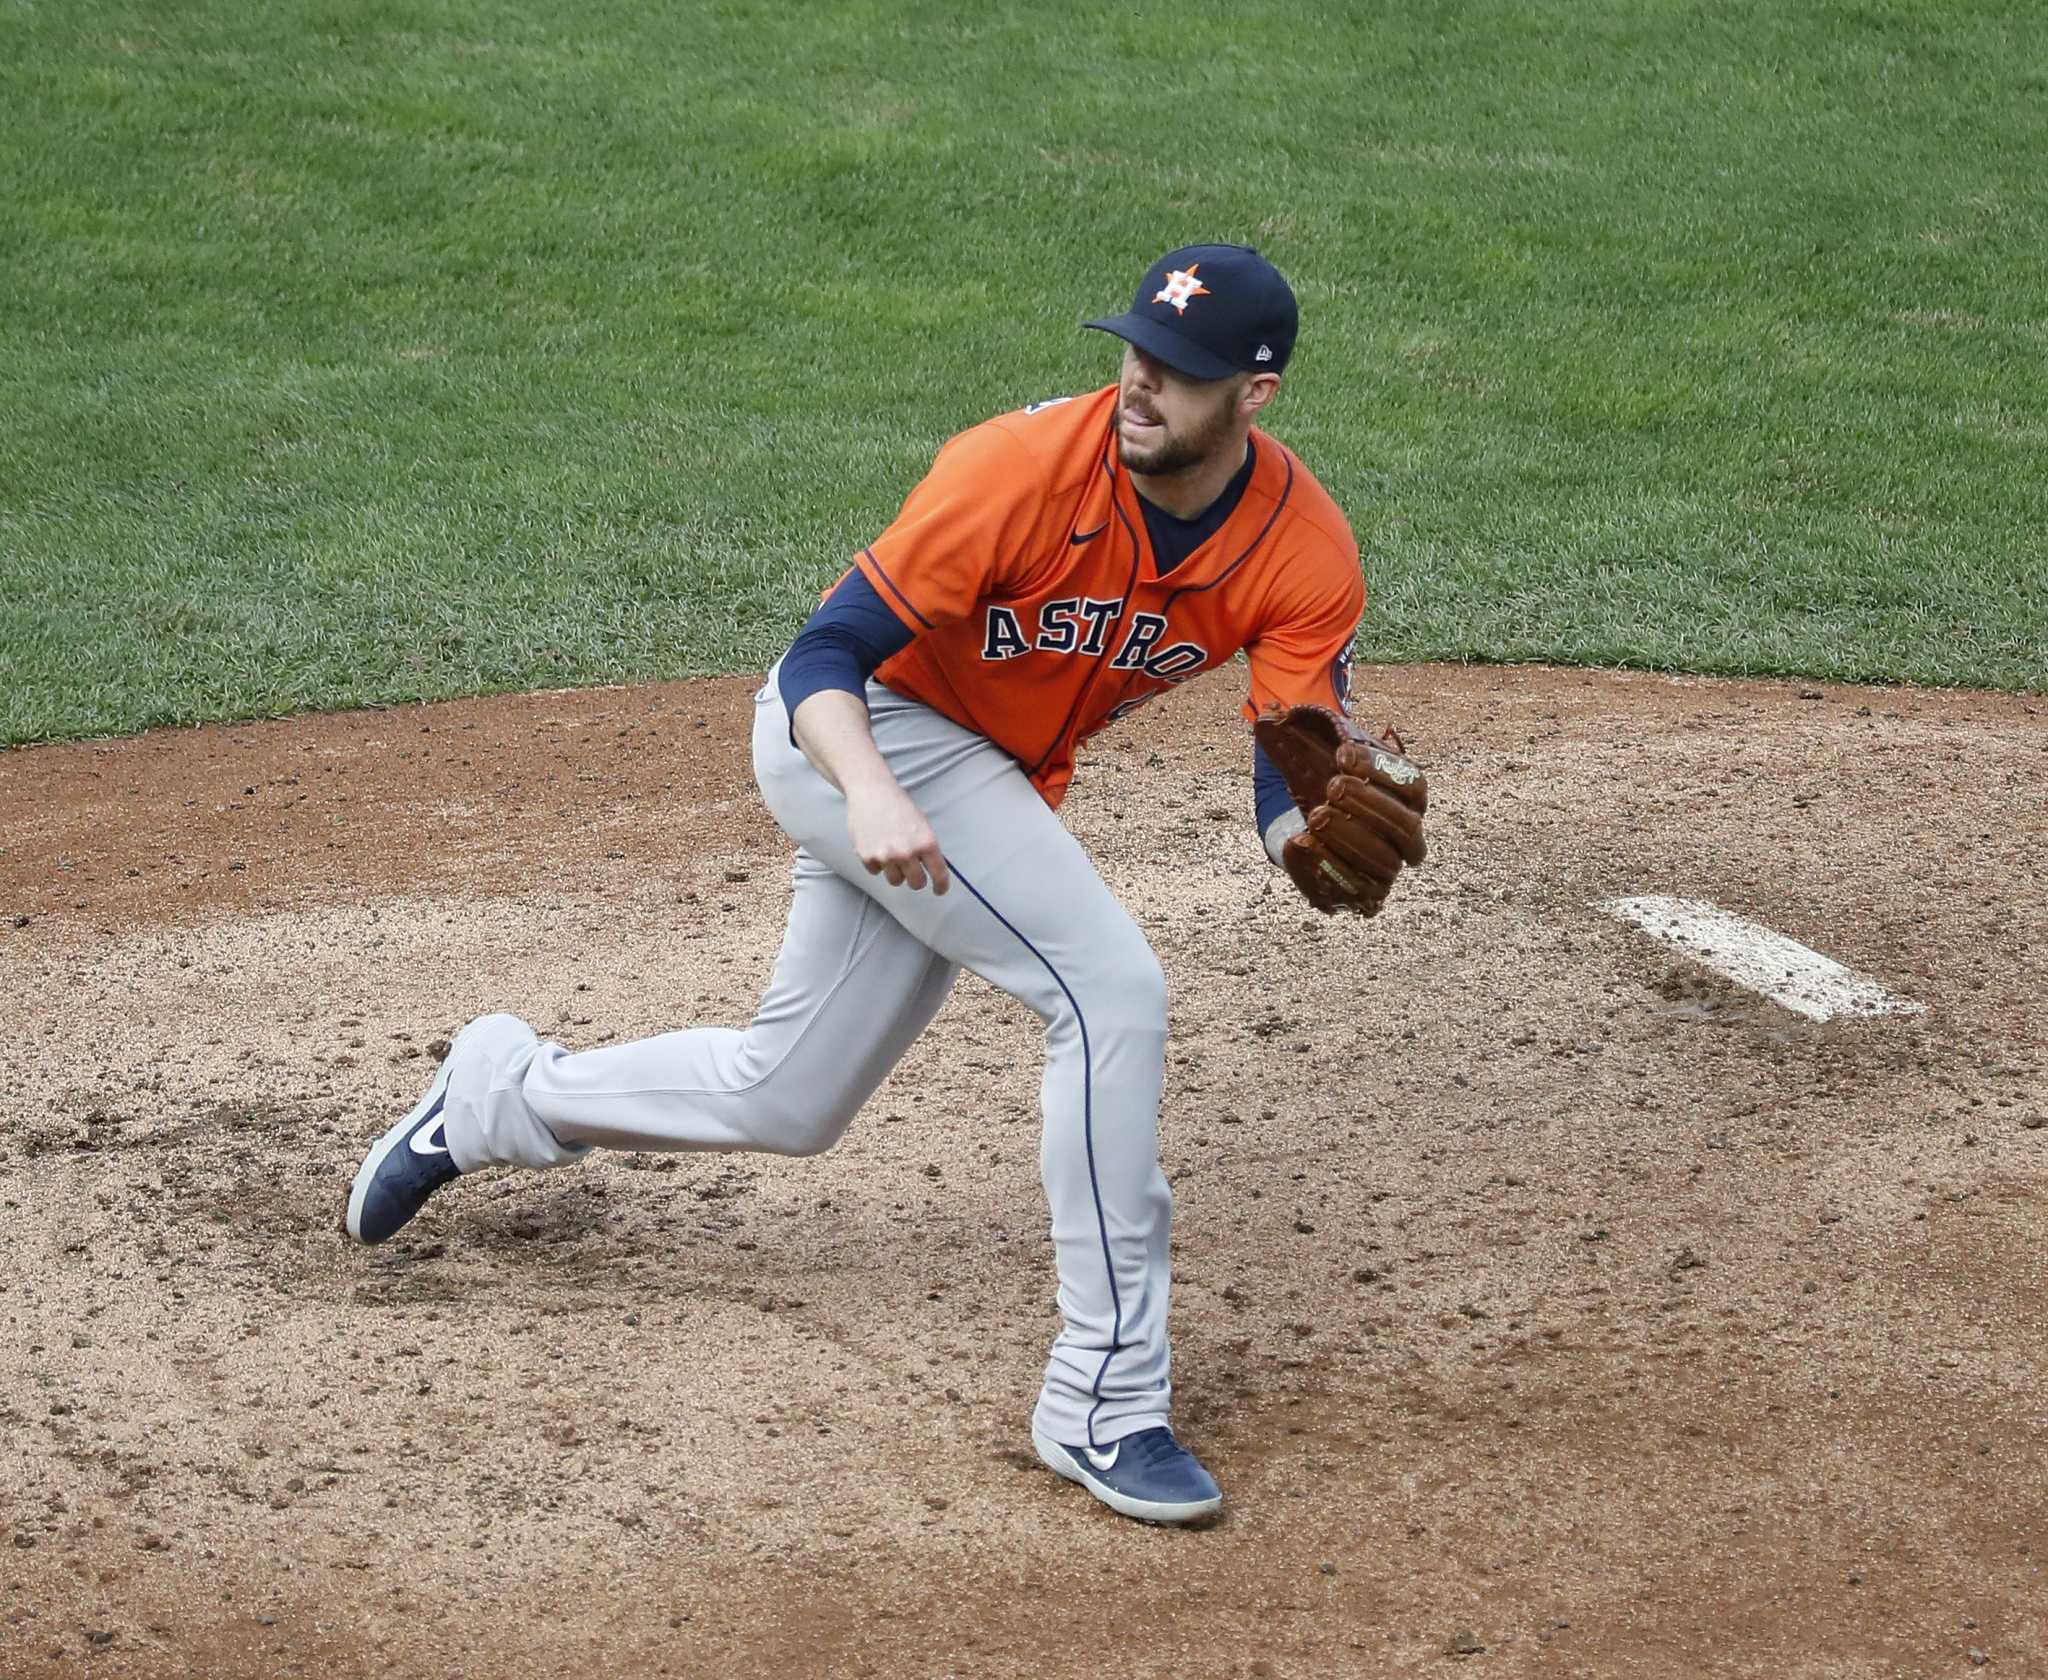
(1362, 797)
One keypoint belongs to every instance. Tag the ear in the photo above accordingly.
(1259, 390)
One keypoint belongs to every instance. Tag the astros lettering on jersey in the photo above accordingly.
(1023, 565)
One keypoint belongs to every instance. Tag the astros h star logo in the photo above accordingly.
(1180, 286)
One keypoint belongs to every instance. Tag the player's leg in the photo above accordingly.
(851, 991)
(1029, 912)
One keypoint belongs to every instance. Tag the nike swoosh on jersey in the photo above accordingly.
(1080, 537)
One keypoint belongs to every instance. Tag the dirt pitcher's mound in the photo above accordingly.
(1541, 1301)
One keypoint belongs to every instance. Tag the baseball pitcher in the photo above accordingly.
(1057, 567)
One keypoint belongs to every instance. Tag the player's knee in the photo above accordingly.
(801, 1135)
(800, 1128)
(1145, 983)
(1131, 997)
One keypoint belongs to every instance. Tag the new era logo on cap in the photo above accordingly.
(1245, 322)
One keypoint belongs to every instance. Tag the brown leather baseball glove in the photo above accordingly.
(1363, 798)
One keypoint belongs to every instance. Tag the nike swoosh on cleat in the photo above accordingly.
(432, 1140)
(1080, 537)
(1103, 1460)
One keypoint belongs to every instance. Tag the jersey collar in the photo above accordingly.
(1270, 476)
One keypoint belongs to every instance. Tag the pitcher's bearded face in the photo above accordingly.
(1167, 422)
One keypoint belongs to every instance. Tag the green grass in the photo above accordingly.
(410, 348)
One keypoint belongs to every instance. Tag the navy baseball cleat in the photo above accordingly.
(1149, 1475)
(409, 1163)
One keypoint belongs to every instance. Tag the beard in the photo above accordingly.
(1177, 452)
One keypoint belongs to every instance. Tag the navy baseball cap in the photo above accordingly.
(1210, 311)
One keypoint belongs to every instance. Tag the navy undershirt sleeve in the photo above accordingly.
(1269, 788)
(842, 644)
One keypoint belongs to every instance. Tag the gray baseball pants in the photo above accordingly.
(864, 967)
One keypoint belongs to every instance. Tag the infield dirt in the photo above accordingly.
(1542, 1304)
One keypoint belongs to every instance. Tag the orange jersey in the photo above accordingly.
(1022, 565)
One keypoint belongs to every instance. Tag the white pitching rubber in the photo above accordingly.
(1756, 957)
